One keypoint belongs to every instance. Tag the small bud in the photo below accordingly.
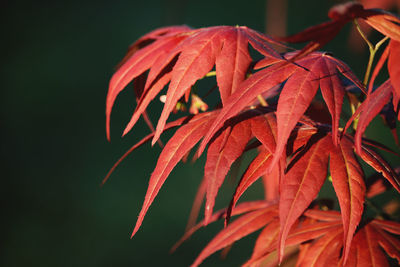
(197, 104)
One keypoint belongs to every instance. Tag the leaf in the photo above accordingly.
(192, 64)
(170, 125)
(255, 170)
(389, 226)
(183, 141)
(196, 52)
(325, 216)
(303, 80)
(293, 101)
(198, 57)
(151, 37)
(198, 200)
(266, 239)
(393, 67)
(271, 182)
(264, 129)
(232, 63)
(367, 243)
(382, 21)
(376, 186)
(142, 60)
(225, 149)
(367, 251)
(332, 90)
(312, 231)
(244, 207)
(241, 227)
(300, 137)
(301, 185)
(317, 36)
(390, 244)
(325, 251)
(147, 97)
(258, 83)
(381, 166)
(306, 230)
(348, 182)
(370, 108)
(323, 33)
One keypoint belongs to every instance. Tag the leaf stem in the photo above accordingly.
(262, 101)
(372, 51)
(210, 74)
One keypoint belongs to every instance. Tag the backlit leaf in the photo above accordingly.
(241, 227)
(393, 67)
(348, 181)
(301, 185)
(225, 149)
(183, 141)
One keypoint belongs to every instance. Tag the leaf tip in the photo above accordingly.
(137, 226)
(125, 131)
(108, 136)
(153, 141)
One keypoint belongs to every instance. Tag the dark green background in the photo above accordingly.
(56, 61)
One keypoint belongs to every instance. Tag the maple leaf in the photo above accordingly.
(295, 152)
(182, 56)
(225, 149)
(301, 185)
(317, 70)
(383, 4)
(372, 105)
(241, 208)
(184, 139)
(382, 21)
(394, 70)
(326, 244)
(321, 230)
(241, 227)
(348, 181)
(139, 60)
(365, 248)
(144, 140)
(340, 15)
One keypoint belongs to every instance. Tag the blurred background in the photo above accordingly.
(57, 59)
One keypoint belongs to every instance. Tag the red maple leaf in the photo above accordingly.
(316, 237)
(182, 56)
(264, 107)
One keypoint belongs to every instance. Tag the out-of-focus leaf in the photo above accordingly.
(393, 65)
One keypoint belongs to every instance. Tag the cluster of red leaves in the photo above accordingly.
(316, 238)
(294, 151)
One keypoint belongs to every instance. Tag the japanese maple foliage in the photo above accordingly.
(266, 105)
